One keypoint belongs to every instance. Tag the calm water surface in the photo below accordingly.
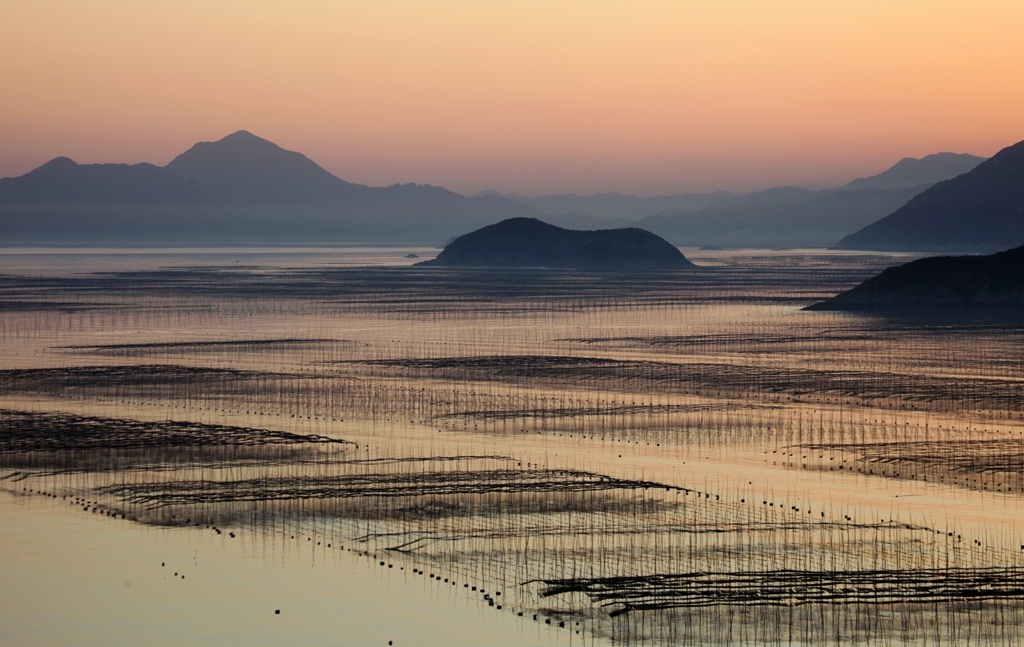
(535, 457)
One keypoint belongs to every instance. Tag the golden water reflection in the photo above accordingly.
(682, 458)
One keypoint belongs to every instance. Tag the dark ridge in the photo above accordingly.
(979, 211)
(791, 216)
(989, 282)
(528, 242)
(781, 217)
(909, 172)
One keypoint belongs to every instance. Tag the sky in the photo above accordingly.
(529, 97)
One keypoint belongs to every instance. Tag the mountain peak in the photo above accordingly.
(60, 162)
(911, 171)
(239, 189)
(240, 140)
(247, 168)
(242, 134)
(58, 165)
(245, 138)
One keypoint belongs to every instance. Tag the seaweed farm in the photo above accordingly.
(678, 458)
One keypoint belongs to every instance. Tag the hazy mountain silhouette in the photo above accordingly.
(982, 210)
(787, 217)
(910, 172)
(528, 242)
(240, 189)
(791, 216)
(62, 181)
(245, 169)
(959, 282)
(244, 189)
(614, 208)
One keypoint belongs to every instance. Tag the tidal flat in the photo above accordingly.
(433, 457)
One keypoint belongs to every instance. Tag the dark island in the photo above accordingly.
(993, 282)
(528, 242)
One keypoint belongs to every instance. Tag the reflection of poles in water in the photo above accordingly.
(605, 382)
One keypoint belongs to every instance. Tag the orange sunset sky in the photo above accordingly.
(521, 96)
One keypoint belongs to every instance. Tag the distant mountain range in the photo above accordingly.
(239, 189)
(246, 190)
(782, 216)
(794, 217)
(612, 209)
(911, 172)
(960, 283)
(979, 211)
(530, 243)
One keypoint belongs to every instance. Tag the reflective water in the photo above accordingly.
(683, 458)
(73, 578)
